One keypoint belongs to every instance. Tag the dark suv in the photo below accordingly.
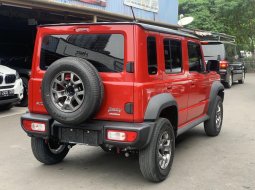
(126, 87)
(231, 69)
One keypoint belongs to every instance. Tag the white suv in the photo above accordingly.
(11, 87)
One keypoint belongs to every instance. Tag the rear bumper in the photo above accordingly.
(91, 133)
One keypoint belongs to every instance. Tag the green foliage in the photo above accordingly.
(234, 17)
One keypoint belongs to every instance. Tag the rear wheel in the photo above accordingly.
(48, 152)
(156, 159)
(213, 125)
(229, 83)
(242, 80)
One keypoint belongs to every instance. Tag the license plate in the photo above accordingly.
(69, 135)
(6, 93)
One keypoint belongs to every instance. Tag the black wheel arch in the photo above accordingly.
(163, 106)
(217, 89)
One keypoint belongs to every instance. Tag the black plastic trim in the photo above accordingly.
(215, 89)
(129, 108)
(144, 130)
(191, 125)
(157, 104)
(130, 67)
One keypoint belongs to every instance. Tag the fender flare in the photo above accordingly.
(156, 104)
(215, 89)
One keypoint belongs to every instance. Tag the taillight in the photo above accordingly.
(36, 126)
(224, 64)
(122, 136)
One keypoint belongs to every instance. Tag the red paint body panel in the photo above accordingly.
(191, 90)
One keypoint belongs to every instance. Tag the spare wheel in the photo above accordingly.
(72, 90)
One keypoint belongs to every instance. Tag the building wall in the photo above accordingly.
(168, 9)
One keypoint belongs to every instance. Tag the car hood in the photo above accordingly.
(6, 70)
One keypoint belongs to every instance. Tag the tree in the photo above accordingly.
(234, 17)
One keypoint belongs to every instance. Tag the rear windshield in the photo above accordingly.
(214, 51)
(104, 51)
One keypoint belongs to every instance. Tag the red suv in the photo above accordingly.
(126, 87)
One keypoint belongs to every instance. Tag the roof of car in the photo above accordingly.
(144, 26)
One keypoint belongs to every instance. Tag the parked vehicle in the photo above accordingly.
(231, 69)
(11, 88)
(16, 53)
(122, 86)
(221, 47)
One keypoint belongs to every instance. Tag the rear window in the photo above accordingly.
(104, 51)
(214, 51)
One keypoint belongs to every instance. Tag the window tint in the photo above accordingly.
(195, 57)
(230, 52)
(173, 56)
(104, 51)
(214, 51)
(152, 55)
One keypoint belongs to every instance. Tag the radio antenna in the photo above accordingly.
(134, 19)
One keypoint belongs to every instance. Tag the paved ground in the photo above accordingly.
(221, 163)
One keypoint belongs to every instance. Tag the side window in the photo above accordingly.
(173, 56)
(195, 57)
(152, 55)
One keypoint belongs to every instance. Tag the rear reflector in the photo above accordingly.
(36, 126)
(122, 136)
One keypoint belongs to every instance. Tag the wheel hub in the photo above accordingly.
(70, 91)
(67, 91)
(164, 150)
(218, 116)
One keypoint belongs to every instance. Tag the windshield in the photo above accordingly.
(104, 51)
(214, 51)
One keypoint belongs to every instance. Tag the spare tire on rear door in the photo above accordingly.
(72, 90)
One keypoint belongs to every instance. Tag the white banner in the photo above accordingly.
(148, 5)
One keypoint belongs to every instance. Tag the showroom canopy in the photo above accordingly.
(160, 12)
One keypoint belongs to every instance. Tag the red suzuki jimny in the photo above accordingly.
(126, 87)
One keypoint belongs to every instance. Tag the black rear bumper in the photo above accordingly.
(91, 133)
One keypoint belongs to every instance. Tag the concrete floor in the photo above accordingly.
(221, 163)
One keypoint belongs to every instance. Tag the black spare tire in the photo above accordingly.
(72, 90)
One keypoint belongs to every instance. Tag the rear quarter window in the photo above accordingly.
(104, 51)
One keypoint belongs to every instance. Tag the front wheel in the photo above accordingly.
(48, 152)
(156, 159)
(213, 125)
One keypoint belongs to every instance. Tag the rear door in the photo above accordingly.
(108, 47)
(199, 81)
(175, 75)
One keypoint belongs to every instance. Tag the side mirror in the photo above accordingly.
(213, 65)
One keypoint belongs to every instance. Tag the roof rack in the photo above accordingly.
(204, 35)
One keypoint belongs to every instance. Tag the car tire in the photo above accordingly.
(229, 83)
(91, 87)
(6, 107)
(155, 163)
(213, 125)
(46, 153)
(243, 78)
(24, 101)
